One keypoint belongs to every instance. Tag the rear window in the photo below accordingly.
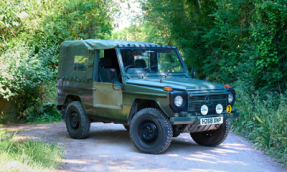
(81, 63)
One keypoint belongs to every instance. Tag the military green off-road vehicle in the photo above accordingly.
(144, 86)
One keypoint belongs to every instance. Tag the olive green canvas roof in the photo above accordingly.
(72, 52)
(93, 44)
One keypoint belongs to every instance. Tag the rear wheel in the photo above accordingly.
(77, 122)
(212, 138)
(150, 131)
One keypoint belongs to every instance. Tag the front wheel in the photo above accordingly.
(150, 131)
(77, 122)
(212, 138)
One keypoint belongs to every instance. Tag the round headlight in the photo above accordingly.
(219, 109)
(178, 100)
(204, 109)
(230, 98)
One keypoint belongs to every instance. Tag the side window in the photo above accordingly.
(81, 63)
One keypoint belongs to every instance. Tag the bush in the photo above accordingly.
(42, 113)
(31, 33)
(22, 72)
(263, 120)
(24, 76)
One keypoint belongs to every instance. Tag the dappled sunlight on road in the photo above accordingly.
(108, 148)
(223, 151)
(74, 161)
(236, 146)
(199, 159)
(172, 155)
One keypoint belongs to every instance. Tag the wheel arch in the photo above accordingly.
(70, 98)
(141, 103)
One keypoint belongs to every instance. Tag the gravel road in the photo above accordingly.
(108, 148)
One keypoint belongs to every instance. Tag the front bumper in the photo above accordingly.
(194, 119)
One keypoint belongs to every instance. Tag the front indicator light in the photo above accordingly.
(219, 109)
(167, 89)
(204, 110)
(227, 86)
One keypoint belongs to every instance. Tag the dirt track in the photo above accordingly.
(108, 148)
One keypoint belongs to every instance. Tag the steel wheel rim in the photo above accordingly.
(148, 132)
(74, 120)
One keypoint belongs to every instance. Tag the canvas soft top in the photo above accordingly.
(93, 44)
(85, 49)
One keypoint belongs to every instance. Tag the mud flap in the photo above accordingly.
(104, 96)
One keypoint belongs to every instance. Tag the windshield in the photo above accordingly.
(151, 60)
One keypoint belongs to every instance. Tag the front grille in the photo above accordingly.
(195, 102)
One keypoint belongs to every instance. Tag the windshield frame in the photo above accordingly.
(124, 73)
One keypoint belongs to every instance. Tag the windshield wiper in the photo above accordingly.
(169, 69)
(148, 69)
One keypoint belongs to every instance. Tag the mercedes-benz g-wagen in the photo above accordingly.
(144, 86)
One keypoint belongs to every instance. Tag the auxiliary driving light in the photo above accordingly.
(219, 109)
(204, 110)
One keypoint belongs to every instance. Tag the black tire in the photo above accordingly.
(77, 122)
(150, 131)
(127, 127)
(212, 138)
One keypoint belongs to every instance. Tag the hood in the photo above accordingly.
(188, 84)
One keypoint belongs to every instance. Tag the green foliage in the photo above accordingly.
(23, 78)
(226, 40)
(27, 155)
(269, 39)
(263, 120)
(145, 32)
(229, 41)
(38, 112)
(53, 21)
(31, 32)
(22, 72)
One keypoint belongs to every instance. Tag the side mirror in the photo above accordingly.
(112, 75)
(192, 73)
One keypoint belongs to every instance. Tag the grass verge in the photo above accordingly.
(27, 155)
(263, 120)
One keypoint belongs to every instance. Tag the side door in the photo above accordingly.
(105, 96)
(107, 99)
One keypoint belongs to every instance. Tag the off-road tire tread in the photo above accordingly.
(85, 121)
(216, 142)
(165, 123)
